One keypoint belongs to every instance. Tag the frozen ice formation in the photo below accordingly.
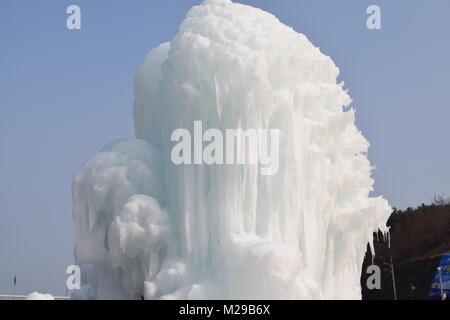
(147, 228)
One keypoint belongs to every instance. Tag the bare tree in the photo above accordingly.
(440, 200)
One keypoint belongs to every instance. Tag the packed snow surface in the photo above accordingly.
(147, 228)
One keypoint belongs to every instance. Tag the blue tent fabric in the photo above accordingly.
(435, 290)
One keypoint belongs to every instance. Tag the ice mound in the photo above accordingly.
(39, 296)
(151, 229)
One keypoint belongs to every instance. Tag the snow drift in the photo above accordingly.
(149, 228)
(39, 296)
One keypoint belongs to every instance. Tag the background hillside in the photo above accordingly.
(418, 238)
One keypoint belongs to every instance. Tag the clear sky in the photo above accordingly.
(66, 93)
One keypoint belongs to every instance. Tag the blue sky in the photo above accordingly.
(65, 94)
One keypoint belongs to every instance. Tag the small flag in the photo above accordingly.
(15, 279)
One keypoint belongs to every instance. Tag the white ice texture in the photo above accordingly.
(39, 296)
(150, 229)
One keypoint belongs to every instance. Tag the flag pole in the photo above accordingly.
(14, 287)
(393, 277)
(440, 283)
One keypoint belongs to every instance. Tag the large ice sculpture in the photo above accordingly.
(148, 228)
